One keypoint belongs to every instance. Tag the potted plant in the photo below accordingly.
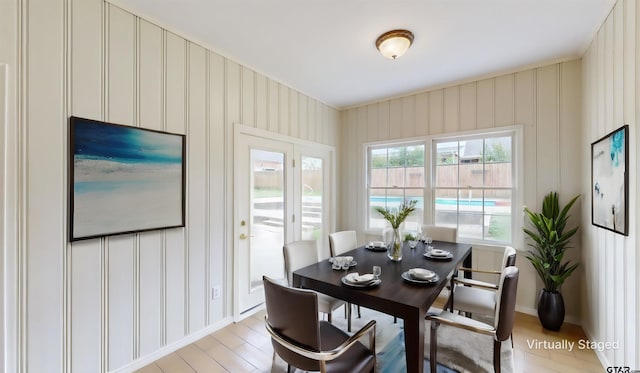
(550, 241)
(395, 219)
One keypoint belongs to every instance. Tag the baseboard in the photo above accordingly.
(170, 348)
(599, 354)
(534, 312)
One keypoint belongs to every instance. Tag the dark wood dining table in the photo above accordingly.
(394, 295)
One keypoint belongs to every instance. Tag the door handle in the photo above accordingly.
(243, 236)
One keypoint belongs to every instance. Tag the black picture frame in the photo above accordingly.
(124, 179)
(610, 181)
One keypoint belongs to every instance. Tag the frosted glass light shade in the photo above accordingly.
(395, 43)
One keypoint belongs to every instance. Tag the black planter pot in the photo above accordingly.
(551, 309)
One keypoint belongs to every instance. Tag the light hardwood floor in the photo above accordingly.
(246, 347)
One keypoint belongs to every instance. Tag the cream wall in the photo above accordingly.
(98, 305)
(545, 101)
(611, 295)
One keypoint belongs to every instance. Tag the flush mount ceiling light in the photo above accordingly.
(394, 43)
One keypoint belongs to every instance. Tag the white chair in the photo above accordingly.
(503, 319)
(440, 233)
(341, 242)
(301, 254)
(475, 296)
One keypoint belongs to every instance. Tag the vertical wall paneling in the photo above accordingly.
(217, 167)
(283, 93)
(262, 101)
(272, 106)
(468, 103)
(248, 97)
(485, 103)
(294, 114)
(610, 76)
(384, 121)
(436, 112)
(372, 120)
(422, 114)
(452, 108)
(408, 116)
(121, 109)
(197, 186)
(547, 125)
(312, 124)
(86, 257)
(504, 100)
(150, 81)
(175, 118)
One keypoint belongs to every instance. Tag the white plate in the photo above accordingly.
(407, 277)
(438, 252)
(361, 285)
(428, 255)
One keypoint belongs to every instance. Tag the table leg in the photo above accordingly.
(414, 341)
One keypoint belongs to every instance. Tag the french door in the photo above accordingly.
(282, 193)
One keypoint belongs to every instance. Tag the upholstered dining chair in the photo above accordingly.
(475, 296)
(300, 254)
(305, 342)
(502, 325)
(440, 233)
(340, 243)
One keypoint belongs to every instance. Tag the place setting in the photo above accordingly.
(420, 276)
(342, 262)
(354, 279)
(376, 246)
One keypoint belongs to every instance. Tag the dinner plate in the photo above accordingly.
(351, 264)
(447, 257)
(361, 285)
(375, 248)
(407, 277)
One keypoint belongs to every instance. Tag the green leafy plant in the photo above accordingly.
(396, 218)
(550, 241)
(409, 237)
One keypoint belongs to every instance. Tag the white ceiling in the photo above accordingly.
(326, 48)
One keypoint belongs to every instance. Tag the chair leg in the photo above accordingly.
(349, 317)
(359, 316)
(496, 356)
(395, 319)
(329, 317)
(433, 348)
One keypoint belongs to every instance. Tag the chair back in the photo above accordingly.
(293, 314)
(508, 258)
(506, 303)
(341, 242)
(440, 233)
(299, 254)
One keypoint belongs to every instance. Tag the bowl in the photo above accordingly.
(421, 273)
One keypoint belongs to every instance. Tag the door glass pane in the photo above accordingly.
(312, 193)
(267, 216)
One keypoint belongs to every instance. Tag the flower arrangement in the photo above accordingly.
(395, 219)
(398, 217)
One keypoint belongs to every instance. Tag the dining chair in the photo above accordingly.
(305, 342)
(440, 233)
(474, 296)
(300, 254)
(340, 243)
(502, 325)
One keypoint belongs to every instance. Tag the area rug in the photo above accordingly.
(458, 350)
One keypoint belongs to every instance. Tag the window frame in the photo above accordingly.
(517, 160)
(368, 147)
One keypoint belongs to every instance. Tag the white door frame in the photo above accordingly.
(241, 130)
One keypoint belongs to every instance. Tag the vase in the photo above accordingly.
(394, 250)
(551, 309)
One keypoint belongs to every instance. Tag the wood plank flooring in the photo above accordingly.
(246, 347)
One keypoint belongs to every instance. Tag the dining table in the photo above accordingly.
(393, 295)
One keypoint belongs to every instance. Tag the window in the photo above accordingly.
(395, 173)
(474, 185)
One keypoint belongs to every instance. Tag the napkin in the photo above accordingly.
(438, 252)
(421, 273)
(356, 278)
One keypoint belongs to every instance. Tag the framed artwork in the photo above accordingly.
(610, 181)
(123, 179)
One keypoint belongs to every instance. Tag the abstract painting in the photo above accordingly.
(610, 181)
(124, 179)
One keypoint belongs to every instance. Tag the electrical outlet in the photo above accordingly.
(216, 292)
